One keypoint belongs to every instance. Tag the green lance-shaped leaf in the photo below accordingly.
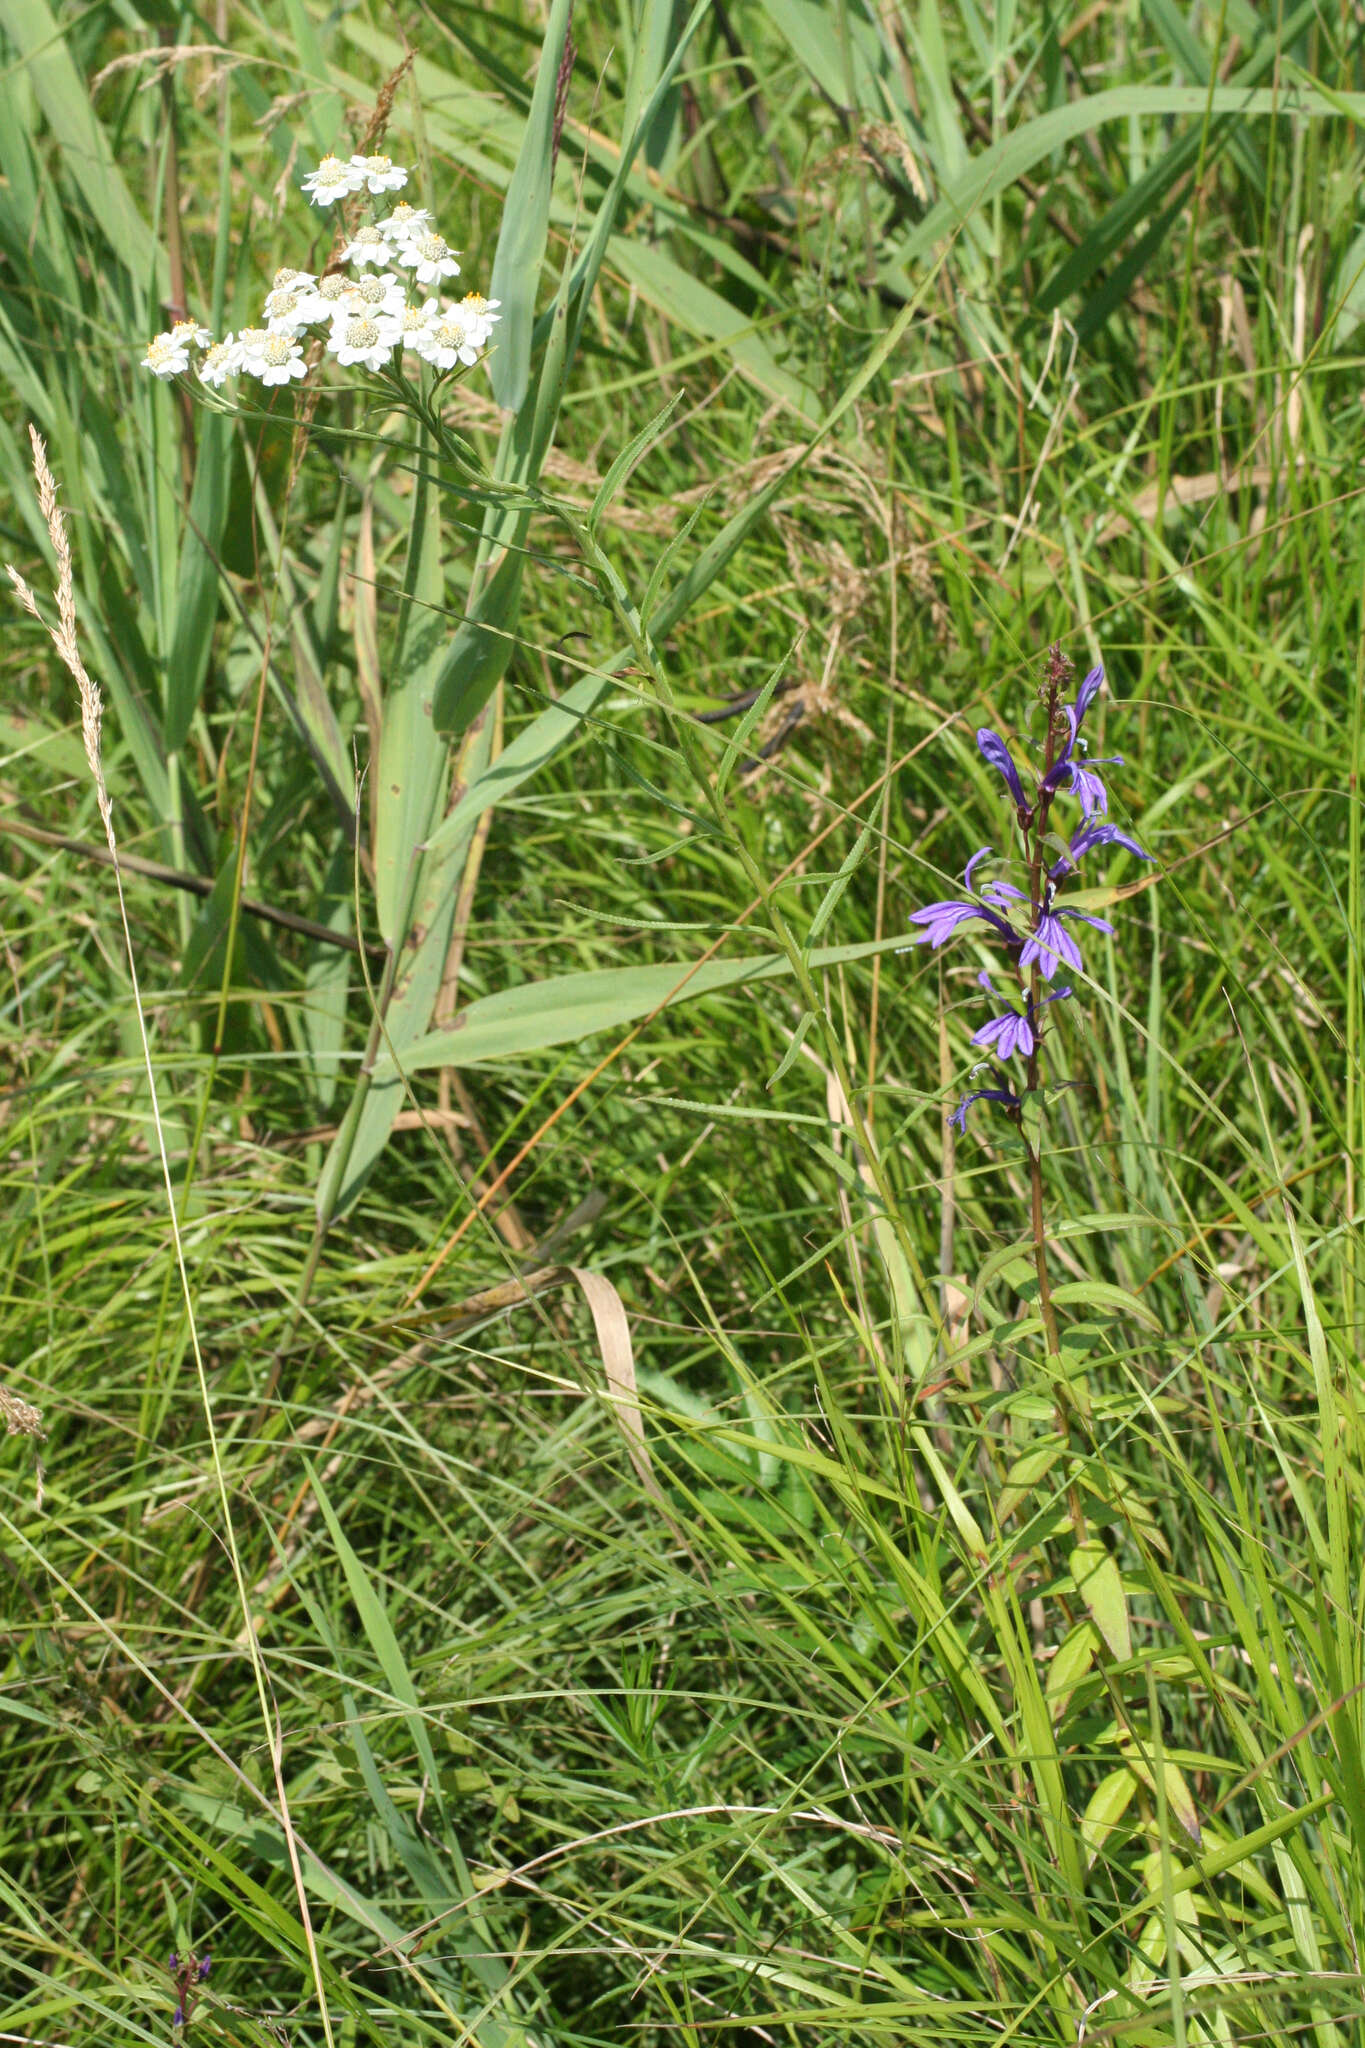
(1073, 1660)
(442, 881)
(541, 1014)
(1107, 1805)
(411, 766)
(481, 648)
(196, 592)
(534, 746)
(1099, 1582)
(1029, 1470)
(526, 224)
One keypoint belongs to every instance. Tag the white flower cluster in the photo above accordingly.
(368, 317)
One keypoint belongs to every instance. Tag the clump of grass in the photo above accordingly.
(351, 1638)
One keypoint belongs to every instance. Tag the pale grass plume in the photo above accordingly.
(63, 634)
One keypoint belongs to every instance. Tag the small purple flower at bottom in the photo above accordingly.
(178, 2017)
(1051, 943)
(1004, 1095)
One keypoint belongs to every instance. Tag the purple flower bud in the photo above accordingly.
(994, 750)
(205, 1966)
(178, 2018)
(173, 1962)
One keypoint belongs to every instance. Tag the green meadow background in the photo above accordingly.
(551, 1526)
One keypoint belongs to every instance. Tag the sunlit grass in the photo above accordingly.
(796, 1727)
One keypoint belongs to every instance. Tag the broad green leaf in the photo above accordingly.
(1099, 1582)
(1074, 1658)
(541, 1014)
(1028, 1470)
(59, 748)
(520, 253)
(1179, 1798)
(412, 760)
(1101, 1294)
(196, 596)
(1348, 292)
(1106, 1807)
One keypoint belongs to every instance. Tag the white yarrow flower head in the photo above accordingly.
(480, 316)
(333, 180)
(430, 256)
(404, 222)
(416, 324)
(167, 355)
(224, 359)
(250, 342)
(363, 339)
(375, 295)
(330, 296)
(367, 245)
(446, 341)
(380, 173)
(277, 359)
(286, 309)
(293, 280)
(189, 334)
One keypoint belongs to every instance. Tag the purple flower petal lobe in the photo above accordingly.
(995, 751)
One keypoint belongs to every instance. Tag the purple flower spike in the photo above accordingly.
(1005, 1095)
(994, 750)
(1009, 1034)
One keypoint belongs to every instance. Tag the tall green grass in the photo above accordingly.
(627, 1453)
